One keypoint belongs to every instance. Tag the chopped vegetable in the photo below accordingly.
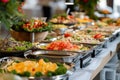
(1, 70)
(13, 72)
(38, 74)
(97, 36)
(88, 31)
(36, 68)
(32, 25)
(26, 73)
(63, 18)
(67, 35)
(46, 60)
(62, 45)
(50, 73)
(10, 45)
(60, 70)
(36, 25)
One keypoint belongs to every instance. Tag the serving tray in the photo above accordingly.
(79, 58)
(4, 62)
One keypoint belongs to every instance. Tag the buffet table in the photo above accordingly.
(97, 63)
(82, 50)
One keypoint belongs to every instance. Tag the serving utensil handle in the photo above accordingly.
(27, 53)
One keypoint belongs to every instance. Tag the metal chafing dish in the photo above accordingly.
(105, 29)
(79, 38)
(4, 62)
(80, 58)
(93, 32)
(54, 56)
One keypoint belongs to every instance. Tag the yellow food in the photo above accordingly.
(85, 20)
(59, 26)
(33, 67)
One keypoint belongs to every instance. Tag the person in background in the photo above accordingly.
(46, 8)
(52, 7)
(43, 8)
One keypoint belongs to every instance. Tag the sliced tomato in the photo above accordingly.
(70, 17)
(67, 35)
(97, 36)
(61, 45)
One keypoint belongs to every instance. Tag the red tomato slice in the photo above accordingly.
(70, 16)
(97, 36)
(61, 45)
(67, 35)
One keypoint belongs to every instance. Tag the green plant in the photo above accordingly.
(9, 11)
(88, 6)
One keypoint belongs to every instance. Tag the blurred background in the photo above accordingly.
(48, 8)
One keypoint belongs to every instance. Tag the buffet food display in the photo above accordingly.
(42, 68)
(64, 19)
(83, 38)
(75, 41)
(32, 25)
(62, 45)
(11, 45)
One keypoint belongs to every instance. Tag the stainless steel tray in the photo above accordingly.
(93, 32)
(66, 52)
(79, 58)
(91, 41)
(7, 60)
(53, 55)
(62, 54)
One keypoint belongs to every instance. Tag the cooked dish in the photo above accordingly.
(11, 45)
(64, 19)
(102, 28)
(80, 38)
(64, 45)
(105, 11)
(58, 26)
(32, 25)
(101, 34)
(84, 20)
(32, 68)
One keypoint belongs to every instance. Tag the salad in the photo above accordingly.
(11, 45)
(32, 25)
(63, 45)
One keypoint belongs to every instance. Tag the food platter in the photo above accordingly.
(103, 28)
(81, 39)
(79, 60)
(64, 19)
(10, 47)
(62, 46)
(60, 56)
(82, 36)
(7, 62)
(81, 57)
(93, 32)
